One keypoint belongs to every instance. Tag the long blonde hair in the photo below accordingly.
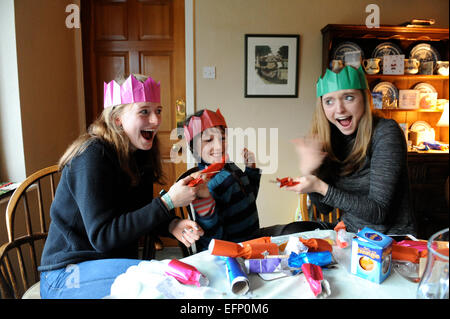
(321, 128)
(106, 128)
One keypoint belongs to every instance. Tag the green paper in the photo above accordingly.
(347, 78)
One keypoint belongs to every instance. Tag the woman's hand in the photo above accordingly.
(249, 158)
(308, 184)
(185, 230)
(310, 153)
(181, 194)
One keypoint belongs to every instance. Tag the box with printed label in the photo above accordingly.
(371, 255)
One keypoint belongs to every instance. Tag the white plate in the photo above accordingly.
(419, 126)
(424, 52)
(339, 51)
(386, 48)
(425, 88)
(388, 89)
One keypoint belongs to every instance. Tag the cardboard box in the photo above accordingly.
(427, 100)
(394, 64)
(371, 255)
(408, 99)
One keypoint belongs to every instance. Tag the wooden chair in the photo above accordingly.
(20, 256)
(308, 211)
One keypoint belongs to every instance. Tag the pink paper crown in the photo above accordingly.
(131, 91)
(197, 124)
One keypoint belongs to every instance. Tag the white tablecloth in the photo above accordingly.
(343, 284)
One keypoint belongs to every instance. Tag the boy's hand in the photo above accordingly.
(203, 190)
(249, 158)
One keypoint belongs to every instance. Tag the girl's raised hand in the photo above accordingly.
(310, 153)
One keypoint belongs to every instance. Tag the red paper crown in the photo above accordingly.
(198, 124)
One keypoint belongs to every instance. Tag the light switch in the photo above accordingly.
(209, 72)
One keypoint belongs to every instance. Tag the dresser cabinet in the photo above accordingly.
(428, 173)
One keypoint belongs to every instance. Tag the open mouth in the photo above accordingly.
(344, 121)
(148, 134)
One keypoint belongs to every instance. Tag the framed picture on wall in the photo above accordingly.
(271, 65)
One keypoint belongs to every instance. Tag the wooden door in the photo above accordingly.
(136, 36)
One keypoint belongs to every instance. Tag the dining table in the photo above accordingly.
(342, 283)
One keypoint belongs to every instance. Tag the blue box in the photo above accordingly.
(371, 255)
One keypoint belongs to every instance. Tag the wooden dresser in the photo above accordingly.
(428, 170)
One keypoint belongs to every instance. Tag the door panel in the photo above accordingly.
(109, 66)
(136, 36)
(155, 20)
(111, 20)
(159, 66)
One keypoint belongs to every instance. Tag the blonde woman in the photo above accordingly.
(354, 160)
(104, 201)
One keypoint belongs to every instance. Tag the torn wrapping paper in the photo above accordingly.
(186, 274)
(286, 181)
(343, 239)
(314, 276)
(323, 258)
(207, 173)
(406, 257)
(295, 245)
(250, 250)
(316, 244)
(269, 265)
(237, 278)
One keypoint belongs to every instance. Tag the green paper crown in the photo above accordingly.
(348, 78)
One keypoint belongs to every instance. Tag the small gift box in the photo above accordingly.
(394, 64)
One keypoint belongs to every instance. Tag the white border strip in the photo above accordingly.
(190, 64)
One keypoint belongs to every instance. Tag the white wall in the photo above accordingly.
(41, 85)
(12, 162)
(48, 58)
(220, 27)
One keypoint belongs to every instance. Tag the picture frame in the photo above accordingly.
(271, 65)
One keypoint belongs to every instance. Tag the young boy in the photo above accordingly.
(225, 207)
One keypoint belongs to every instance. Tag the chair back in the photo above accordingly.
(20, 256)
(187, 212)
(308, 211)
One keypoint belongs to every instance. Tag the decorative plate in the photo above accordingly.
(424, 53)
(425, 88)
(388, 89)
(339, 51)
(419, 126)
(386, 48)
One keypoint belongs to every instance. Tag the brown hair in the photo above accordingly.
(106, 129)
(321, 128)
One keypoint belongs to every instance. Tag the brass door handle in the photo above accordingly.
(180, 112)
